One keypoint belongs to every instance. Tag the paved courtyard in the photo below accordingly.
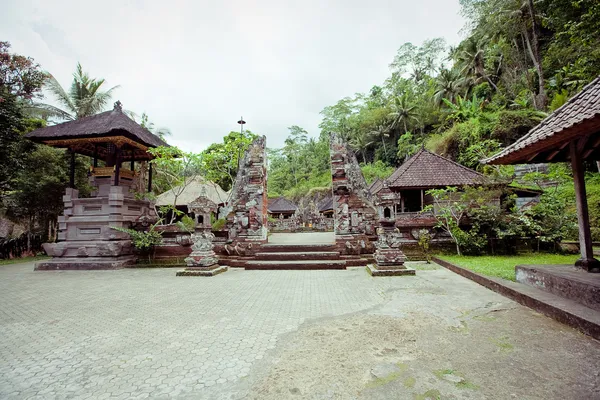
(145, 333)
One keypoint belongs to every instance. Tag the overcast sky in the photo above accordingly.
(197, 66)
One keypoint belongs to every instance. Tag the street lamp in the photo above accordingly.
(241, 122)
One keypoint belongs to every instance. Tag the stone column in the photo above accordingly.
(389, 258)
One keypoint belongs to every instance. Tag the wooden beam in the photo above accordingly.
(552, 155)
(532, 157)
(72, 170)
(587, 260)
(117, 165)
(149, 177)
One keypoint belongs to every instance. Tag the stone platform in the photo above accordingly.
(563, 280)
(389, 271)
(85, 263)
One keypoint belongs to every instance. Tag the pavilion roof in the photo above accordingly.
(577, 118)
(326, 204)
(281, 205)
(376, 186)
(198, 187)
(109, 126)
(429, 170)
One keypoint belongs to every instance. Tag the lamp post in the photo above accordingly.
(242, 123)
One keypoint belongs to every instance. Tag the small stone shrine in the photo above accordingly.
(86, 239)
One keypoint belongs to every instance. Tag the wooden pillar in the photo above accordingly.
(95, 155)
(132, 162)
(587, 260)
(72, 170)
(402, 204)
(422, 199)
(117, 165)
(149, 176)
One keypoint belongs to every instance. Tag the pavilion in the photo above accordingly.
(281, 207)
(86, 239)
(570, 134)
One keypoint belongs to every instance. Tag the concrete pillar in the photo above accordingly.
(587, 260)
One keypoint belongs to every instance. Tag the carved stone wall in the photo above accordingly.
(355, 215)
(247, 216)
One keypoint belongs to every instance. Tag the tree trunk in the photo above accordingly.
(534, 52)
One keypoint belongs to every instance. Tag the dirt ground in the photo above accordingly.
(439, 340)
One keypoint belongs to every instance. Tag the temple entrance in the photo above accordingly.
(302, 238)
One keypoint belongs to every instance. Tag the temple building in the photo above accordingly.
(86, 238)
(196, 188)
(281, 207)
(402, 197)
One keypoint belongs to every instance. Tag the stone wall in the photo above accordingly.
(355, 215)
(247, 214)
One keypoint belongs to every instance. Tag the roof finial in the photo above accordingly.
(118, 106)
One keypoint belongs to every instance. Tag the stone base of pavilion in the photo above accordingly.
(85, 263)
(390, 270)
(202, 271)
(565, 281)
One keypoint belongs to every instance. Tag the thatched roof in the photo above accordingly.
(196, 188)
(429, 170)
(577, 118)
(326, 204)
(93, 129)
(281, 205)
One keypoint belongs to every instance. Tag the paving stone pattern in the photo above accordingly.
(146, 333)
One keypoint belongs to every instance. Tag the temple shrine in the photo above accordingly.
(86, 238)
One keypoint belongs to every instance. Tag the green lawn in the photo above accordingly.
(504, 266)
(22, 260)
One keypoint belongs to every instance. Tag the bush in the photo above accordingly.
(219, 225)
(143, 241)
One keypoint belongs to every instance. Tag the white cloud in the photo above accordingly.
(196, 66)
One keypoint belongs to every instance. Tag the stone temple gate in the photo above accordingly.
(355, 216)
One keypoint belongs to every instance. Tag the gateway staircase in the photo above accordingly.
(297, 257)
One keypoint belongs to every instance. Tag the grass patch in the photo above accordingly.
(504, 266)
(409, 382)
(430, 394)
(23, 260)
(503, 344)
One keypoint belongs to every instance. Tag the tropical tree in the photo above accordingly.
(84, 98)
(449, 84)
(360, 141)
(403, 113)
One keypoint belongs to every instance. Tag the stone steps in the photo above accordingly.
(298, 255)
(297, 265)
(287, 248)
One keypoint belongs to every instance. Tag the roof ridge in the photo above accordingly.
(455, 163)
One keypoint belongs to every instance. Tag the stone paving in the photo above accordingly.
(144, 333)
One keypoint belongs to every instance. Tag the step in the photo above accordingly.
(358, 262)
(302, 265)
(563, 280)
(281, 248)
(298, 255)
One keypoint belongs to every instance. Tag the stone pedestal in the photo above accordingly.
(389, 259)
(203, 260)
(86, 239)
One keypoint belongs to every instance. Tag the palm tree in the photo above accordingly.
(360, 141)
(471, 58)
(402, 113)
(83, 99)
(161, 132)
(381, 131)
(449, 84)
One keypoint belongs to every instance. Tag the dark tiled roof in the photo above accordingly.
(108, 123)
(429, 170)
(579, 115)
(281, 205)
(376, 186)
(326, 204)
